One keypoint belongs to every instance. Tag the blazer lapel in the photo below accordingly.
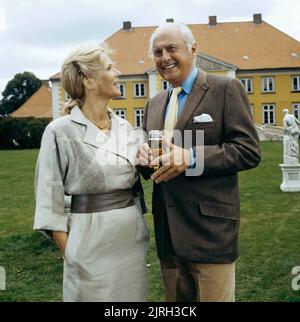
(194, 99)
(90, 136)
(96, 138)
(162, 111)
(119, 143)
(93, 135)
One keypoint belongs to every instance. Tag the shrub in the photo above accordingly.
(21, 133)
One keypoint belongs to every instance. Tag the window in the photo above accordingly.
(247, 83)
(121, 113)
(295, 83)
(138, 117)
(269, 114)
(122, 90)
(164, 84)
(139, 89)
(296, 110)
(268, 84)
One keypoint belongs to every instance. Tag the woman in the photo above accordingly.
(89, 155)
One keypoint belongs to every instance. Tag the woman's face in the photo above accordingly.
(107, 79)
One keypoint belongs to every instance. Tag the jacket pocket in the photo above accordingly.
(219, 210)
(203, 125)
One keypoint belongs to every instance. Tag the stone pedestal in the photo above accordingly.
(290, 177)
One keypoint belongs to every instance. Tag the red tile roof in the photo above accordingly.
(264, 45)
(39, 105)
(244, 44)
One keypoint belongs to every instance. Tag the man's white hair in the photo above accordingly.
(181, 28)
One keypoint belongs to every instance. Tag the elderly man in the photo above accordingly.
(197, 218)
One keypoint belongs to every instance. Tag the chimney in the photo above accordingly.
(257, 18)
(212, 20)
(127, 25)
(169, 20)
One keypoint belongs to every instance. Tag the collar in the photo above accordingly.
(188, 82)
(78, 117)
(117, 143)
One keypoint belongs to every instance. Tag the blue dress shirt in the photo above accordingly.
(186, 89)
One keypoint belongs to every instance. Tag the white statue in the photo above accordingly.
(290, 139)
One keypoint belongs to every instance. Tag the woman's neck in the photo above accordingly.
(95, 109)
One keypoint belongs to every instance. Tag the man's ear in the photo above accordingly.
(194, 50)
(89, 83)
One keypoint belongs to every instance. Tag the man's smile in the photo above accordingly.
(170, 66)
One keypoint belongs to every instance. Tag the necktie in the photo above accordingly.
(171, 117)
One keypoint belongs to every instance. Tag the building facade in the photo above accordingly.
(266, 61)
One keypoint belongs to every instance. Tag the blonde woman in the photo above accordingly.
(89, 155)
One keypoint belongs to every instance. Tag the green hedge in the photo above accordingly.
(21, 133)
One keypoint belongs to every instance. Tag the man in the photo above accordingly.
(196, 218)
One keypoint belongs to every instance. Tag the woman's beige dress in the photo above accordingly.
(105, 256)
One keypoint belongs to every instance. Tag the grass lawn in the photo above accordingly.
(269, 235)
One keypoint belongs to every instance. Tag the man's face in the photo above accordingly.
(172, 58)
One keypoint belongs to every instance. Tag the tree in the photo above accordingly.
(18, 90)
(22, 132)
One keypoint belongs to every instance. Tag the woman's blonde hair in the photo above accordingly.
(85, 61)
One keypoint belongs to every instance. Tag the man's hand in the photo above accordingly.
(144, 155)
(174, 162)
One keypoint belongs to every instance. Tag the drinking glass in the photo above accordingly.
(155, 138)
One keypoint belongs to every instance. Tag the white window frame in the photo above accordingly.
(138, 117)
(121, 112)
(268, 81)
(164, 84)
(247, 82)
(297, 88)
(269, 108)
(296, 110)
(137, 89)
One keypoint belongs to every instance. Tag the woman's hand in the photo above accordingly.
(144, 155)
(61, 239)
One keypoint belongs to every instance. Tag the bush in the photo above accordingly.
(21, 133)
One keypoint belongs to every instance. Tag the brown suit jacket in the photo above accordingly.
(197, 218)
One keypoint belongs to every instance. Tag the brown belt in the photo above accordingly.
(87, 203)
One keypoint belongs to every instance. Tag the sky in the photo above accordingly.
(37, 35)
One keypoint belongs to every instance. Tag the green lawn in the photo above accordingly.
(269, 236)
